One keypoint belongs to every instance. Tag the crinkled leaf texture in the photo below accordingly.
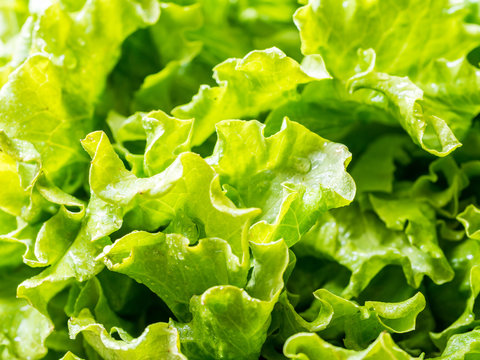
(383, 60)
(173, 269)
(184, 232)
(361, 242)
(157, 340)
(210, 334)
(306, 169)
(48, 100)
(335, 318)
(245, 88)
(308, 346)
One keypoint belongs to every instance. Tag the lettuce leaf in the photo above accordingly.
(157, 340)
(246, 87)
(343, 222)
(306, 346)
(382, 59)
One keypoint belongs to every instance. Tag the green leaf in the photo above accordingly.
(23, 329)
(404, 101)
(306, 169)
(70, 356)
(462, 346)
(452, 303)
(14, 43)
(90, 295)
(47, 243)
(307, 346)
(451, 88)
(158, 339)
(287, 321)
(470, 218)
(337, 30)
(165, 138)
(192, 39)
(188, 186)
(375, 169)
(338, 319)
(362, 242)
(181, 75)
(232, 323)
(246, 87)
(445, 198)
(182, 242)
(467, 319)
(362, 324)
(420, 232)
(48, 100)
(170, 32)
(174, 270)
(78, 261)
(432, 93)
(12, 196)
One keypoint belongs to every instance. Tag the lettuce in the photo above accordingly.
(239, 180)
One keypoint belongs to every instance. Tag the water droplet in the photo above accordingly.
(302, 165)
